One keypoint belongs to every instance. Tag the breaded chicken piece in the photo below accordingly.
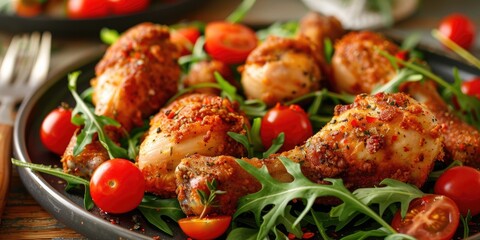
(357, 64)
(194, 124)
(136, 76)
(376, 137)
(281, 69)
(462, 141)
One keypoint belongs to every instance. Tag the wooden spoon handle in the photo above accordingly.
(5, 163)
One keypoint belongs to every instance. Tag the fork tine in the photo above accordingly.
(40, 68)
(6, 70)
(27, 58)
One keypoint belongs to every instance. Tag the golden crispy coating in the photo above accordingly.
(196, 123)
(282, 69)
(462, 141)
(357, 64)
(137, 75)
(376, 137)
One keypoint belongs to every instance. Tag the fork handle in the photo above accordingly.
(5, 163)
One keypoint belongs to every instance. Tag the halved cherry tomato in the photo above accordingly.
(291, 120)
(229, 42)
(57, 130)
(462, 185)
(432, 217)
(185, 38)
(205, 228)
(128, 6)
(472, 87)
(27, 8)
(458, 28)
(117, 186)
(78, 9)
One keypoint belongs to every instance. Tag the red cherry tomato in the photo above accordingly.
(185, 38)
(77, 9)
(458, 28)
(229, 42)
(472, 87)
(128, 6)
(291, 120)
(57, 130)
(117, 186)
(432, 217)
(205, 228)
(462, 185)
(27, 8)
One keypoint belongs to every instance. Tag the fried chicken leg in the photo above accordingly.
(196, 123)
(136, 76)
(376, 137)
(462, 141)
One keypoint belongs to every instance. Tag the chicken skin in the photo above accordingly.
(282, 69)
(194, 124)
(462, 141)
(376, 137)
(136, 76)
(357, 64)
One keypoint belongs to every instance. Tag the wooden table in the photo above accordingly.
(25, 219)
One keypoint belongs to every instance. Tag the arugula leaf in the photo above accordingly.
(270, 203)
(359, 235)
(456, 48)
(93, 124)
(328, 50)
(72, 181)
(286, 30)
(465, 220)
(154, 208)
(198, 54)
(109, 36)
(403, 75)
(239, 13)
(242, 233)
(252, 142)
(394, 191)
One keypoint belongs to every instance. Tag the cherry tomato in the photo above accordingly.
(185, 38)
(432, 217)
(128, 6)
(57, 130)
(462, 185)
(117, 186)
(77, 9)
(291, 120)
(205, 228)
(458, 28)
(229, 42)
(472, 87)
(27, 8)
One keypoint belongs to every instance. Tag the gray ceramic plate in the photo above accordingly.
(67, 207)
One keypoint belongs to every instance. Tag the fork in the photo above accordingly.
(24, 67)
